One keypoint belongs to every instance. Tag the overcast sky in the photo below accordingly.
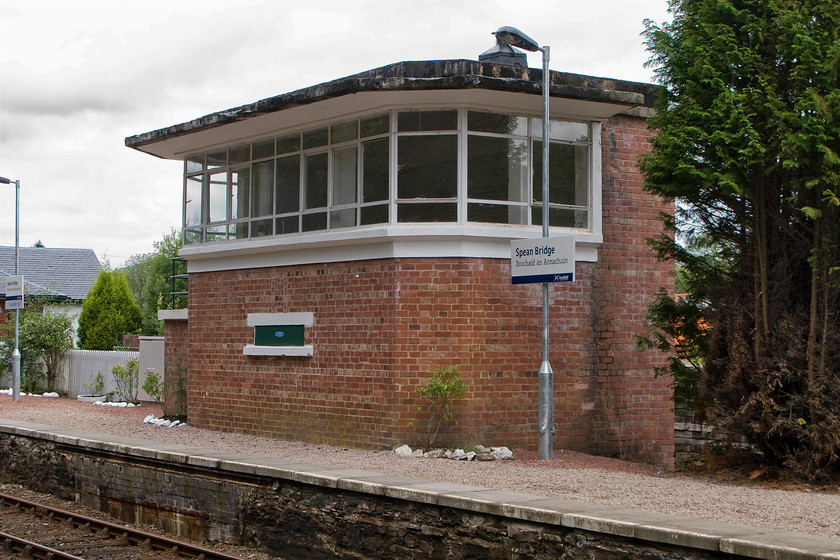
(77, 77)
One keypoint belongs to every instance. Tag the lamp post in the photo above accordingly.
(16, 352)
(516, 38)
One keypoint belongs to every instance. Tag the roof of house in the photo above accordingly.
(62, 273)
(597, 97)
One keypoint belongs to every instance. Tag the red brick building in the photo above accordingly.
(368, 221)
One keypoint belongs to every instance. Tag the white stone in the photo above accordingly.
(403, 450)
(501, 453)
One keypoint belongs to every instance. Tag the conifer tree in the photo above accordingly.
(748, 144)
(108, 312)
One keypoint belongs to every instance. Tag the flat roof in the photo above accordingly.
(413, 83)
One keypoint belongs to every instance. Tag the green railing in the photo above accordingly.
(179, 280)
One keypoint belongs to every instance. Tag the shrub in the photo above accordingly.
(126, 378)
(443, 388)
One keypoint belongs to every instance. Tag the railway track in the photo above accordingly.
(32, 530)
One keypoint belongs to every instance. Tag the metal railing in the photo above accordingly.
(176, 278)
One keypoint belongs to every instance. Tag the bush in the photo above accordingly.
(443, 388)
(154, 386)
(126, 378)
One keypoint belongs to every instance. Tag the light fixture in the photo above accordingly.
(515, 38)
(16, 352)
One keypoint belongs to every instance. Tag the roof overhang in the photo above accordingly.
(417, 85)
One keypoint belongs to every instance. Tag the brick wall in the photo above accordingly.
(382, 326)
(175, 352)
(631, 421)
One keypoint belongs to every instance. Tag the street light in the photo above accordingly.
(515, 38)
(16, 352)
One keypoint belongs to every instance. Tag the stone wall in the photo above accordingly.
(280, 511)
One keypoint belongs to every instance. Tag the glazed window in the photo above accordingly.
(409, 166)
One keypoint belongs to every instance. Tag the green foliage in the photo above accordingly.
(444, 386)
(172, 394)
(108, 313)
(677, 327)
(154, 386)
(45, 336)
(96, 386)
(126, 378)
(747, 144)
(149, 279)
(179, 390)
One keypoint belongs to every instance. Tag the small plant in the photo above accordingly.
(443, 388)
(180, 391)
(172, 392)
(126, 378)
(96, 386)
(154, 386)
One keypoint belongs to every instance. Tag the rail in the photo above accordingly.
(121, 535)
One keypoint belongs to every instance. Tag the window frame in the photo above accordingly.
(196, 165)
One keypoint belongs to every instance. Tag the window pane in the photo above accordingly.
(316, 181)
(218, 159)
(562, 217)
(315, 138)
(428, 212)
(263, 149)
(344, 176)
(497, 168)
(262, 190)
(239, 230)
(240, 154)
(375, 170)
(374, 214)
(499, 124)
(192, 235)
(344, 132)
(561, 130)
(288, 224)
(240, 191)
(427, 120)
(568, 174)
(288, 185)
(288, 144)
(195, 164)
(261, 228)
(314, 222)
(215, 233)
(497, 214)
(343, 218)
(217, 197)
(192, 204)
(374, 126)
(428, 167)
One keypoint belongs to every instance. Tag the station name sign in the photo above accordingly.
(14, 292)
(544, 259)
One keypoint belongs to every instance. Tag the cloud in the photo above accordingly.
(77, 77)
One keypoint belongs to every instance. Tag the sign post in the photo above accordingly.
(544, 260)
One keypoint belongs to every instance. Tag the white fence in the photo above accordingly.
(81, 366)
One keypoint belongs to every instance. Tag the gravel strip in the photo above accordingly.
(569, 475)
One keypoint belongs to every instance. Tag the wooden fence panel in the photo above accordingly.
(81, 366)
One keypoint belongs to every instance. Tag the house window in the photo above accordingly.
(447, 165)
